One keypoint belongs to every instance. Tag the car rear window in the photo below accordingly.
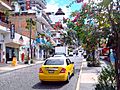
(54, 62)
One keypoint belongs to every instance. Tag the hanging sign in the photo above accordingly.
(12, 31)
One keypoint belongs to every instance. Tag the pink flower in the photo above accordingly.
(84, 5)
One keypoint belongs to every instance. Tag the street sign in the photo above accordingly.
(12, 31)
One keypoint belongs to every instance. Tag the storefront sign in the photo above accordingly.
(12, 31)
(21, 40)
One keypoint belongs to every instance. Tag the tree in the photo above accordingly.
(83, 24)
(70, 38)
(112, 15)
(29, 23)
(107, 18)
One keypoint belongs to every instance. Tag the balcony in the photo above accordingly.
(4, 27)
(46, 18)
(5, 4)
(41, 3)
(42, 17)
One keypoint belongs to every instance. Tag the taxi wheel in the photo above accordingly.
(68, 78)
(42, 82)
(73, 72)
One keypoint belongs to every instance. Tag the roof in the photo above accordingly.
(59, 12)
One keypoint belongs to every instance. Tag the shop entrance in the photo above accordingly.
(10, 52)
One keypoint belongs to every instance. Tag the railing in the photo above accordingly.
(48, 20)
(44, 1)
(4, 24)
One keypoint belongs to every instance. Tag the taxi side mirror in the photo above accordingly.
(72, 62)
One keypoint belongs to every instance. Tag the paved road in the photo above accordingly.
(27, 79)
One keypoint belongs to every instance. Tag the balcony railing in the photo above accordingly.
(48, 20)
(4, 24)
(44, 1)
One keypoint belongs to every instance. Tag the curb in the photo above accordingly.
(19, 68)
(78, 82)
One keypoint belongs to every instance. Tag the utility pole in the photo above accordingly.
(30, 38)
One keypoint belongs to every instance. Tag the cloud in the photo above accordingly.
(52, 6)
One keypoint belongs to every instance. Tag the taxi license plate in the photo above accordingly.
(51, 71)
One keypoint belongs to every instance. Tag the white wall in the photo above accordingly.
(16, 39)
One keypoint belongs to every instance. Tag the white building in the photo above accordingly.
(43, 22)
(57, 17)
(15, 47)
(4, 29)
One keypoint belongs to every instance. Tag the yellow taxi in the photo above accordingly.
(56, 69)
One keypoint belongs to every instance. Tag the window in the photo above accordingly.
(54, 62)
(68, 61)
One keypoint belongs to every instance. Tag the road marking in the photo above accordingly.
(78, 83)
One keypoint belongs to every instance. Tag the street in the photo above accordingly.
(27, 79)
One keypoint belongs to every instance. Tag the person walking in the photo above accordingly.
(76, 52)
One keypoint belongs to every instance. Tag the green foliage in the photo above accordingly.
(31, 24)
(7, 13)
(105, 3)
(106, 79)
(89, 58)
(42, 34)
(69, 37)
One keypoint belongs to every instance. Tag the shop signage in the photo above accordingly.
(21, 40)
(12, 31)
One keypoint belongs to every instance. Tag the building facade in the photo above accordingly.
(57, 22)
(5, 6)
(19, 45)
(43, 24)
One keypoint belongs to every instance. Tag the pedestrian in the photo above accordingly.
(112, 57)
(76, 52)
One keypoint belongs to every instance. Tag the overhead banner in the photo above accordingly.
(12, 31)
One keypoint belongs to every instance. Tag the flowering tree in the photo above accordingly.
(83, 24)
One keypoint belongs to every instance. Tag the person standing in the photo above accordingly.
(112, 57)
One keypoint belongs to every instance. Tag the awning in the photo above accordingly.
(13, 44)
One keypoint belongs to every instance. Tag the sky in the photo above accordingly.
(53, 5)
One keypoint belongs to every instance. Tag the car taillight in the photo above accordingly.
(40, 70)
(63, 70)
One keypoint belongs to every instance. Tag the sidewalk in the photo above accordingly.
(89, 76)
(8, 67)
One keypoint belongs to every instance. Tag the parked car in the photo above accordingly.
(56, 69)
